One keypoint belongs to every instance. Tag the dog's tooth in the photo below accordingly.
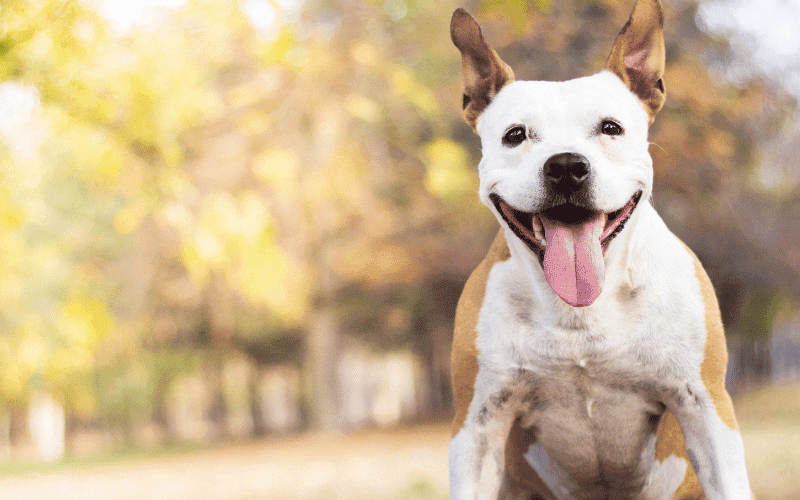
(538, 229)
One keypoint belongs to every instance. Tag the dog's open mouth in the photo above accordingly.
(570, 242)
(530, 228)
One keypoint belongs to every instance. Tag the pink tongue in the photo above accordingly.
(573, 260)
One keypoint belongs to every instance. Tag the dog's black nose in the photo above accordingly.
(567, 171)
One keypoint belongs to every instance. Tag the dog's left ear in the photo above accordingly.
(638, 56)
(484, 72)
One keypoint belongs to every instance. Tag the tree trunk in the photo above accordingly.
(320, 370)
(219, 307)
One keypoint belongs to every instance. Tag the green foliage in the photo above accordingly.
(759, 309)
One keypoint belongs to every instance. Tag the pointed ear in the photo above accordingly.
(638, 55)
(484, 72)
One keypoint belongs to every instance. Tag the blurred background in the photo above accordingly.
(233, 232)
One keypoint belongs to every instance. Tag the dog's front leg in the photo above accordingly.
(713, 446)
(477, 450)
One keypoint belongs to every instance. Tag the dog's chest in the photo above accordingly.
(592, 425)
(589, 396)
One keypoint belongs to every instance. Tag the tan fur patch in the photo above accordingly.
(670, 442)
(715, 353)
(712, 371)
(464, 356)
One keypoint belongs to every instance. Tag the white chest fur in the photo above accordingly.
(589, 382)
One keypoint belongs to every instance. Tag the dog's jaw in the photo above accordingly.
(573, 263)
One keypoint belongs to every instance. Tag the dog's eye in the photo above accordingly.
(610, 127)
(514, 136)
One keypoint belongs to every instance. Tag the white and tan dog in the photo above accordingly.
(589, 356)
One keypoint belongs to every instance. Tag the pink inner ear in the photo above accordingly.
(636, 60)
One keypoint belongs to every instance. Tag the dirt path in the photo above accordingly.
(366, 465)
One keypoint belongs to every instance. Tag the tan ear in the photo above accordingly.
(484, 72)
(638, 55)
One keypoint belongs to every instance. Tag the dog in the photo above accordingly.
(588, 355)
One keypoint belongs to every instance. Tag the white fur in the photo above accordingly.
(565, 116)
(646, 329)
(555, 477)
(665, 478)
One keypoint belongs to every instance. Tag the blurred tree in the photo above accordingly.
(53, 310)
(269, 178)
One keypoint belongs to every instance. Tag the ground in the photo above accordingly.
(399, 464)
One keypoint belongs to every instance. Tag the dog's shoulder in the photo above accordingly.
(464, 357)
(715, 352)
(474, 290)
(700, 293)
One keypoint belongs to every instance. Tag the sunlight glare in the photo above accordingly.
(124, 14)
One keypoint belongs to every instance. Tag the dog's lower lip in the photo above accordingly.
(616, 220)
(528, 227)
(525, 225)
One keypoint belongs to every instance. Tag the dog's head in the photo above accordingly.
(566, 163)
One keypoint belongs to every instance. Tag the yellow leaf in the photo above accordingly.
(364, 53)
(425, 101)
(279, 168)
(407, 86)
(448, 175)
(128, 219)
(280, 47)
(402, 81)
(195, 265)
(84, 320)
(267, 275)
(362, 107)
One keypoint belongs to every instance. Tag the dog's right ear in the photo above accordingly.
(484, 72)
(638, 55)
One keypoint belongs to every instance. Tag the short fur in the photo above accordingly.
(621, 399)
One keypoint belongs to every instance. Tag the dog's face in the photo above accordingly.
(566, 163)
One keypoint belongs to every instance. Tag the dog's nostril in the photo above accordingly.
(566, 167)
(579, 172)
